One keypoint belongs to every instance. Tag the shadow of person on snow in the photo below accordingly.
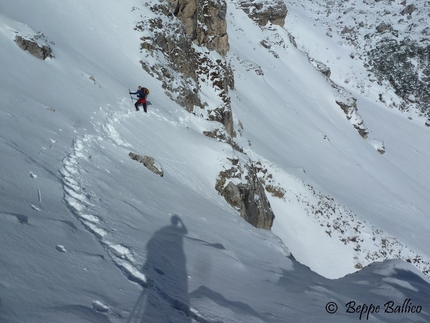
(166, 296)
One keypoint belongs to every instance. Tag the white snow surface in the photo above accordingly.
(89, 235)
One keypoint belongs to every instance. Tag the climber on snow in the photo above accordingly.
(141, 94)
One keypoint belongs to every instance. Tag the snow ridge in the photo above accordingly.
(78, 200)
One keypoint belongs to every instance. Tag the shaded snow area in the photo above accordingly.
(87, 234)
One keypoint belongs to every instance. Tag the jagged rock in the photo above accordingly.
(266, 179)
(348, 104)
(350, 109)
(148, 162)
(204, 22)
(428, 123)
(321, 67)
(224, 137)
(248, 197)
(221, 77)
(212, 27)
(189, 99)
(262, 12)
(224, 116)
(42, 52)
(408, 10)
(347, 30)
(265, 44)
(186, 11)
(383, 26)
(381, 150)
(378, 145)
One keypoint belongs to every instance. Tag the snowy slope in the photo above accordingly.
(390, 190)
(89, 235)
(312, 141)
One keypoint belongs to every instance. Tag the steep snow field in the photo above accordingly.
(89, 235)
(390, 190)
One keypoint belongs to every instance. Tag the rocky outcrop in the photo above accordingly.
(204, 22)
(242, 189)
(31, 45)
(212, 26)
(381, 149)
(343, 99)
(185, 67)
(262, 12)
(224, 116)
(223, 136)
(321, 67)
(349, 105)
(378, 145)
(148, 162)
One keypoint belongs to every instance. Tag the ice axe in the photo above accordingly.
(130, 96)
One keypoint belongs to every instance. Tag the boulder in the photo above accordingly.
(148, 162)
(40, 51)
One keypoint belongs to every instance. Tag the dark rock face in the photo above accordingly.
(266, 11)
(41, 52)
(204, 22)
(248, 196)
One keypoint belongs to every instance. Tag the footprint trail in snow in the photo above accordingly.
(78, 200)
